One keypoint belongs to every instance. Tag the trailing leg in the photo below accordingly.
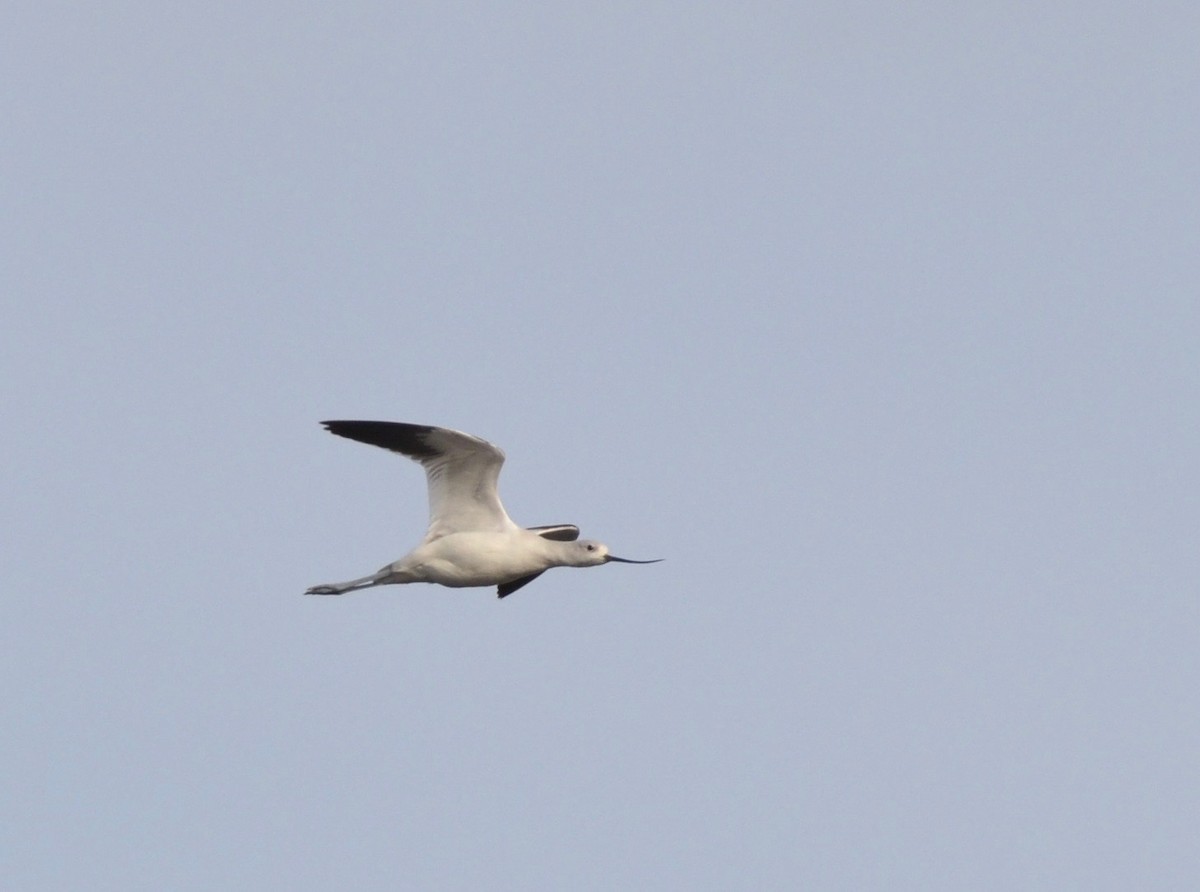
(383, 577)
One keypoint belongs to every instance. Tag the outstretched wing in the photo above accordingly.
(461, 472)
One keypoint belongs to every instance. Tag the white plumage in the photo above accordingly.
(471, 539)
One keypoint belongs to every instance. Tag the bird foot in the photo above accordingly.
(324, 590)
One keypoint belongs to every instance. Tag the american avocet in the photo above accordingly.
(471, 539)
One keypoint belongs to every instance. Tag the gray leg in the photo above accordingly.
(383, 577)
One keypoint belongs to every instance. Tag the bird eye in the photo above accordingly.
(591, 548)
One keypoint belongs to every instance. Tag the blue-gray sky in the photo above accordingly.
(880, 324)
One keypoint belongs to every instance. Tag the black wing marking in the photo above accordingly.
(559, 532)
(507, 588)
(407, 439)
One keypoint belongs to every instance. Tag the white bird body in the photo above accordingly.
(471, 540)
(458, 560)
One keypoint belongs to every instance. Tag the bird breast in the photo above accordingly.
(479, 558)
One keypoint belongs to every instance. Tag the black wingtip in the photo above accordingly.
(397, 436)
(507, 588)
(560, 532)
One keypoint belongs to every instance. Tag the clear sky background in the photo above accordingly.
(878, 322)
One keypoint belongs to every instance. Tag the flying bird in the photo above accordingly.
(471, 540)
